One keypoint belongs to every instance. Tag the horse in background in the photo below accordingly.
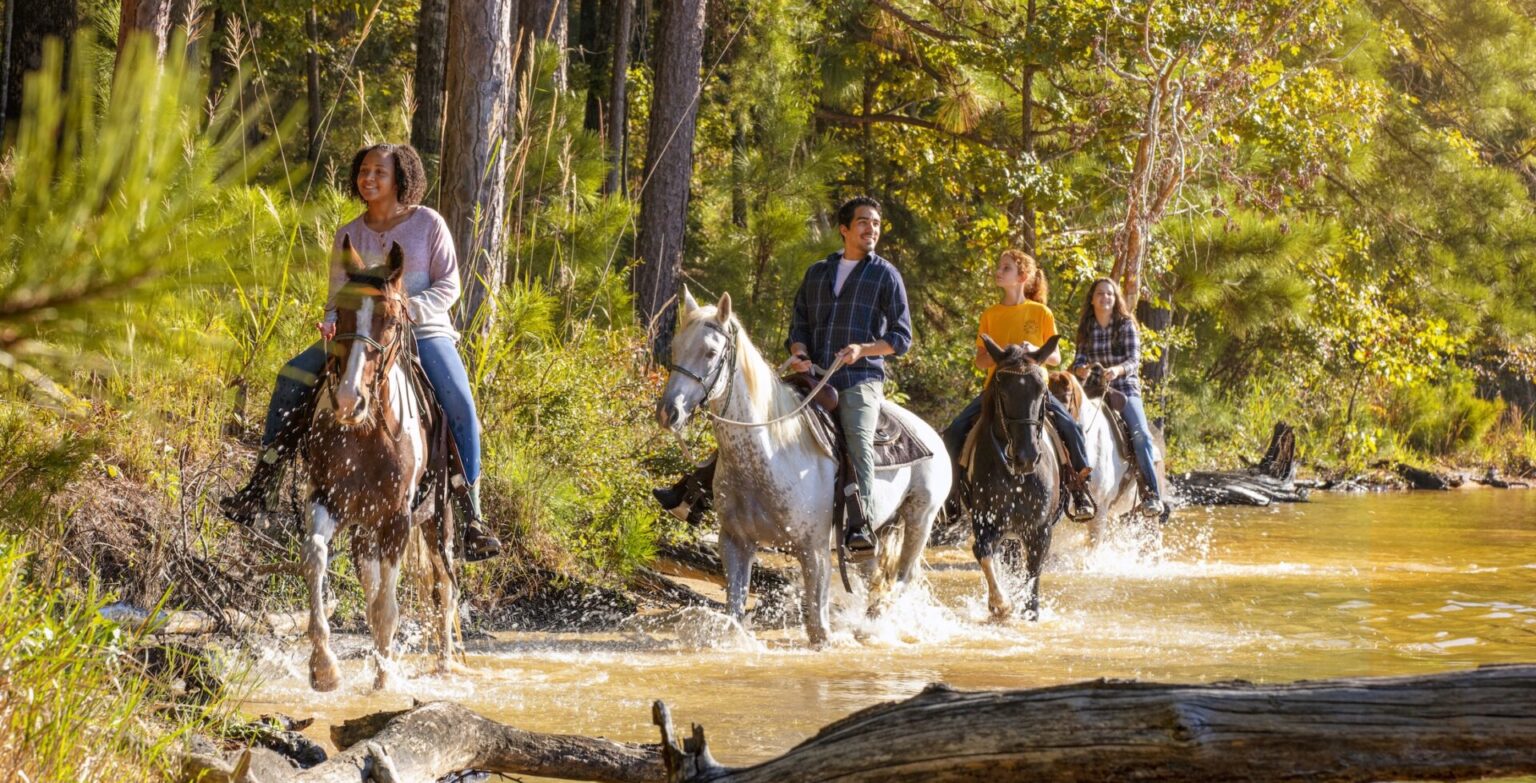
(1015, 472)
(1114, 482)
(774, 485)
(366, 454)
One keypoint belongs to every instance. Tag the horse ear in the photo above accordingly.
(724, 311)
(689, 303)
(396, 261)
(993, 349)
(350, 260)
(1044, 352)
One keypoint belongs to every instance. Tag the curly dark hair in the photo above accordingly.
(410, 173)
(850, 208)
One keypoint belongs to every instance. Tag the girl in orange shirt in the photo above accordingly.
(1022, 317)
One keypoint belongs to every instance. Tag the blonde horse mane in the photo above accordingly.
(770, 398)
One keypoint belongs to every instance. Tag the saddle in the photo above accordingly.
(895, 445)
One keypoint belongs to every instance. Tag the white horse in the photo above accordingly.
(773, 484)
(1112, 483)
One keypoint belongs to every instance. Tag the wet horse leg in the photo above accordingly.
(1035, 549)
(737, 555)
(324, 675)
(443, 599)
(383, 608)
(816, 570)
(997, 597)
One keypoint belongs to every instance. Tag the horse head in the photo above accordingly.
(371, 321)
(703, 360)
(1015, 404)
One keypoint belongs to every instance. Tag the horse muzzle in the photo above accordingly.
(671, 415)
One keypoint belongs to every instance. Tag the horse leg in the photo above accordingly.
(997, 597)
(1036, 548)
(324, 674)
(737, 555)
(443, 599)
(816, 570)
(384, 616)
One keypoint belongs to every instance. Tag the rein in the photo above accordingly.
(719, 375)
(389, 355)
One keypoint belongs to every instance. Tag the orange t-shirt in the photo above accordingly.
(1026, 322)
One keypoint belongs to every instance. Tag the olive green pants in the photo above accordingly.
(859, 409)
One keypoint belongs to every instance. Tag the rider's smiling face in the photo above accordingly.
(863, 232)
(376, 177)
(1006, 275)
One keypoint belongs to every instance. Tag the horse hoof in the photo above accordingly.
(381, 680)
(449, 667)
(1001, 613)
(324, 675)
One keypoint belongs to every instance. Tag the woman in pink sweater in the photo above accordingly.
(390, 180)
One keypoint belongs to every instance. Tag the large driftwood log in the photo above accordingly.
(1272, 480)
(1456, 726)
(1452, 726)
(440, 738)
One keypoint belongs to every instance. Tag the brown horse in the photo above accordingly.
(367, 454)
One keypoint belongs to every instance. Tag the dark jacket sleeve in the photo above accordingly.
(898, 318)
(800, 319)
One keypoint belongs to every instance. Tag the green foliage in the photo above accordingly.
(1442, 420)
(75, 703)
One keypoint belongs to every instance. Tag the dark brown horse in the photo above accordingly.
(1015, 472)
(367, 454)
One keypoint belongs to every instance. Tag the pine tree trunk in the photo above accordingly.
(431, 53)
(312, 27)
(474, 158)
(544, 20)
(668, 169)
(618, 100)
(592, 43)
(30, 24)
(147, 16)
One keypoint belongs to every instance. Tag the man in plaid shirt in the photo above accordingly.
(852, 307)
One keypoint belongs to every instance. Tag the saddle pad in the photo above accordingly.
(895, 445)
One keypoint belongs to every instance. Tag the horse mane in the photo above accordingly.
(770, 398)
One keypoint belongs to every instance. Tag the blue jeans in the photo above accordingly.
(445, 371)
(1141, 440)
(1066, 426)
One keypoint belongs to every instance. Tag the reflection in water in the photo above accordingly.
(1387, 584)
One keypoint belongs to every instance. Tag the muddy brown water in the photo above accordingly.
(1346, 585)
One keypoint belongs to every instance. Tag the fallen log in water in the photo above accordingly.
(197, 623)
(1272, 480)
(1452, 726)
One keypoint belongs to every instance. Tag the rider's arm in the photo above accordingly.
(898, 320)
(442, 271)
(800, 320)
(1130, 341)
(338, 278)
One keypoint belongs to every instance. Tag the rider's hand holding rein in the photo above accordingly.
(799, 358)
(327, 330)
(856, 351)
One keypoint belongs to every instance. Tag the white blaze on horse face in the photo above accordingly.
(348, 392)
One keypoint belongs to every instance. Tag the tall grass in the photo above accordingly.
(76, 704)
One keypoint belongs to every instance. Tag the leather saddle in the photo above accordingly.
(895, 445)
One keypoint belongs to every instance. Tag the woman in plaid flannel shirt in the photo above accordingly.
(1107, 336)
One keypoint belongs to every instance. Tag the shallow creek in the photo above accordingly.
(1397, 583)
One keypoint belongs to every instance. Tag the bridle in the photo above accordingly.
(389, 352)
(1000, 415)
(718, 376)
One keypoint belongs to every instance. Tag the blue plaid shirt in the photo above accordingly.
(872, 306)
(1116, 345)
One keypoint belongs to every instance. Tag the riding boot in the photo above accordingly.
(858, 536)
(261, 493)
(480, 542)
(692, 495)
(1080, 506)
